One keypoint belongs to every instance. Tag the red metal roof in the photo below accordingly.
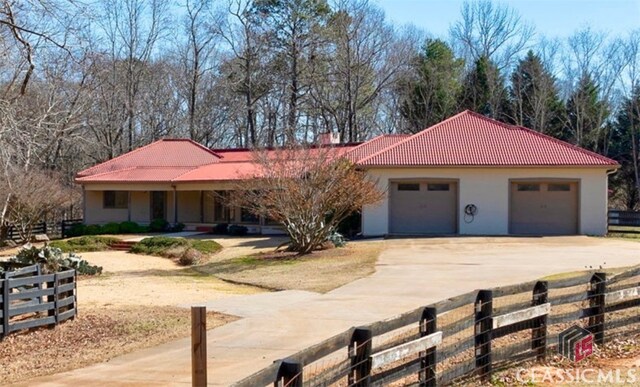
(169, 153)
(466, 139)
(470, 139)
(220, 172)
(374, 145)
(137, 175)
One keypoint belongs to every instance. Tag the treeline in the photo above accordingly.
(84, 82)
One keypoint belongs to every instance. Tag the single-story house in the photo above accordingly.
(468, 175)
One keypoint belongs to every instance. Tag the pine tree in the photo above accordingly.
(431, 95)
(625, 148)
(534, 96)
(585, 112)
(484, 91)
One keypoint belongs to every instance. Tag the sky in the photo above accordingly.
(552, 18)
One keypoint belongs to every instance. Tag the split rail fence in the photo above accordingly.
(465, 338)
(623, 222)
(29, 299)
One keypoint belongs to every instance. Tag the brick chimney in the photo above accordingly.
(329, 138)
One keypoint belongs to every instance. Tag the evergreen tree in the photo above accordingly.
(585, 116)
(534, 96)
(625, 148)
(431, 95)
(484, 92)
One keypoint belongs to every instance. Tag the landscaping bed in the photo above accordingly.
(185, 251)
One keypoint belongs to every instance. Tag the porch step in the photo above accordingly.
(122, 245)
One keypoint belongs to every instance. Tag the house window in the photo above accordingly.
(222, 213)
(438, 186)
(409, 187)
(559, 187)
(247, 216)
(528, 187)
(116, 199)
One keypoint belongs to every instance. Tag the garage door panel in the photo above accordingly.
(423, 208)
(544, 208)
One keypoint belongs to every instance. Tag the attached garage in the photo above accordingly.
(423, 207)
(544, 208)
(515, 181)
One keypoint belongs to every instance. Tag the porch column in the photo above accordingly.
(175, 205)
(129, 206)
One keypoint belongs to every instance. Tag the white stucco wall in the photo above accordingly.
(189, 206)
(140, 207)
(488, 189)
(96, 214)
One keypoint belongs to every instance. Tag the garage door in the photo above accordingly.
(423, 207)
(544, 208)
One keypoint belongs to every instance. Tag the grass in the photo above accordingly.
(320, 271)
(84, 244)
(571, 274)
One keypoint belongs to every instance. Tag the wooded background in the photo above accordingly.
(84, 81)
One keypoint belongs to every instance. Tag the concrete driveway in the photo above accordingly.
(410, 273)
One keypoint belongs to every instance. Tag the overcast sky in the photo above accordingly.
(552, 18)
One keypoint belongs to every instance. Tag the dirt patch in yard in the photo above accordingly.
(320, 271)
(96, 335)
(133, 305)
(132, 279)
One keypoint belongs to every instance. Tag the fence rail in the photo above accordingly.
(464, 337)
(53, 230)
(623, 222)
(29, 299)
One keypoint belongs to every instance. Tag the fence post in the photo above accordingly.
(198, 346)
(360, 350)
(428, 325)
(289, 374)
(5, 308)
(597, 306)
(53, 298)
(483, 327)
(539, 329)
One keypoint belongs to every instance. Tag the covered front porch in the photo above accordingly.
(198, 207)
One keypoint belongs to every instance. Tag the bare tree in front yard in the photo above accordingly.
(308, 190)
(31, 195)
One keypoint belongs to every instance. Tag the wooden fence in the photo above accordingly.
(53, 230)
(29, 299)
(623, 222)
(465, 337)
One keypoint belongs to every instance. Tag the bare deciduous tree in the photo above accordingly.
(308, 190)
(491, 30)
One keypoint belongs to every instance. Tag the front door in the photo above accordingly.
(158, 205)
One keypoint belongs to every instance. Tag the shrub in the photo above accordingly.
(158, 225)
(111, 228)
(52, 260)
(157, 245)
(93, 229)
(237, 230)
(337, 239)
(177, 227)
(205, 246)
(220, 229)
(76, 230)
(129, 227)
(84, 244)
(190, 257)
